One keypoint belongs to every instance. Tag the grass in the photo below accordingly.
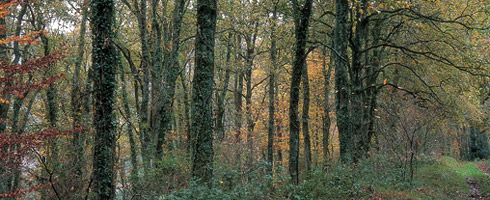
(443, 179)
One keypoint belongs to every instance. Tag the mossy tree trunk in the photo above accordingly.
(202, 94)
(104, 60)
(340, 41)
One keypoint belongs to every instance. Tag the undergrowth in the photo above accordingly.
(376, 178)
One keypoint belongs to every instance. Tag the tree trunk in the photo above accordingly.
(238, 95)
(171, 72)
(326, 121)
(306, 117)
(13, 179)
(52, 104)
(144, 125)
(272, 96)
(359, 108)
(129, 128)
(186, 113)
(250, 41)
(104, 60)
(301, 24)
(77, 142)
(220, 128)
(341, 38)
(202, 119)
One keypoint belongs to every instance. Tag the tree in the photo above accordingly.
(478, 145)
(170, 73)
(15, 144)
(77, 106)
(202, 94)
(272, 87)
(340, 42)
(104, 60)
(301, 14)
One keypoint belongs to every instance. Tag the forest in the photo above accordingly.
(244, 99)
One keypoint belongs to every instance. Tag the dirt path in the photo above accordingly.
(474, 189)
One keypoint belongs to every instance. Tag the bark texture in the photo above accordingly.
(202, 94)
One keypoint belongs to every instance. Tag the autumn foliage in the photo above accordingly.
(14, 146)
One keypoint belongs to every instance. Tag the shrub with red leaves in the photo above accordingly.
(15, 147)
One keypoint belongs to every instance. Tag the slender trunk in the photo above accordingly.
(248, 96)
(146, 143)
(238, 94)
(18, 129)
(220, 128)
(13, 179)
(104, 60)
(272, 87)
(170, 77)
(52, 104)
(77, 141)
(129, 128)
(202, 94)
(301, 24)
(186, 113)
(15, 129)
(371, 93)
(326, 121)
(306, 117)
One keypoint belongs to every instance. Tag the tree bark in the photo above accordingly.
(272, 96)
(301, 24)
(250, 41)
(220, 128)
(104, 60)
(171, 72)
(202, 119)
(359, 128)
(306, 117)
(238, 101)
(326, 121)
(341, 38)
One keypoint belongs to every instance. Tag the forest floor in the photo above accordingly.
(445, 179)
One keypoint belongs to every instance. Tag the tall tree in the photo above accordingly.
(249, 62)
(202, 94)
(302, 15)
(132, 144)
(326, 121)
(306, 117)
(139, 10)
(220, 127)
(170, 74)
(340, 41)
(76, 98)
(272, 87)
(104, 60)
